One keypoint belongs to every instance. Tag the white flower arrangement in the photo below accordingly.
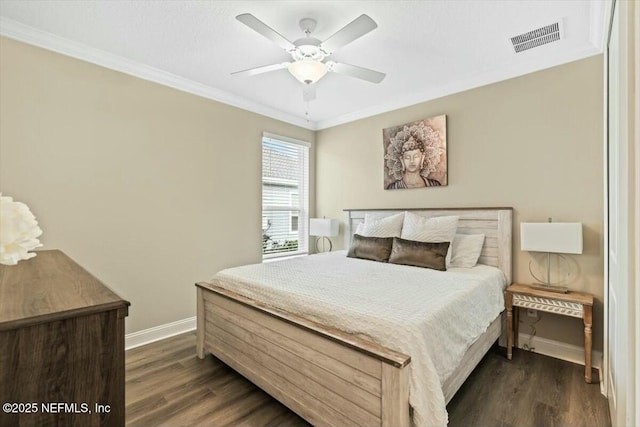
(18, 231)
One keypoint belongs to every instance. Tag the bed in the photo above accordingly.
(326, 372)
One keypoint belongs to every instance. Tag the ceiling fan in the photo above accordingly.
(309, 54)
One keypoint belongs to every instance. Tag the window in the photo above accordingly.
(285, 196)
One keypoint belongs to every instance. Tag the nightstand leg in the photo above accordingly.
(516, 327)
(509, 304)
(588, 319)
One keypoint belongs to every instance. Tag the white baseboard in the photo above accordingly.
(563, 351)
(157, 333)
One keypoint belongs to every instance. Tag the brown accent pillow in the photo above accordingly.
(372, 248)
(419, 254)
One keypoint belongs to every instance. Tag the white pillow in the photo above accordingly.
(390, 226)
(466, 250)
(434, 230)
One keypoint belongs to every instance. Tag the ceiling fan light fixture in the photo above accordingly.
(307, 71)
(308, 53)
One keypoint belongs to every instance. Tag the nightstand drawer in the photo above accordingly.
(565, 308)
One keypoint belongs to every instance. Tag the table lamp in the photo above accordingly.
(323, 228)
(551, 237)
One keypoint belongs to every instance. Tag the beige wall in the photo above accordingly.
(533, 143)
(149, 188)
(152, 189)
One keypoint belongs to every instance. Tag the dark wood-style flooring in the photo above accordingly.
(531, 390)
(166, 384)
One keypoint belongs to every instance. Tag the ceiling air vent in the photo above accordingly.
(535, 38)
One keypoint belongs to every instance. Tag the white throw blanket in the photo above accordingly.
(432, 316)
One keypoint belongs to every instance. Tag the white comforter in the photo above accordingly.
(430, 315)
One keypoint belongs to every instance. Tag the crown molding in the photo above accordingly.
(493, 76)
(27, 34)
(33, 36)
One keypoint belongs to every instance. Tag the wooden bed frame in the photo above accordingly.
(327, 376)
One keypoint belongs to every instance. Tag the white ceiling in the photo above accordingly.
(427, 49)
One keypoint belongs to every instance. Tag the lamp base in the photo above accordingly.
(550, 288)
(323, 240)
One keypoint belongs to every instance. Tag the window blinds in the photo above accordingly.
(285, 197)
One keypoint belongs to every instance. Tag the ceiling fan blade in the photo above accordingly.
(260, 27)
(354, 30)
(358, 72)
(260, 70)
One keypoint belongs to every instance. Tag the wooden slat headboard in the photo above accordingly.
(494, 223)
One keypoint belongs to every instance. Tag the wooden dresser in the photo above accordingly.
(61, 345)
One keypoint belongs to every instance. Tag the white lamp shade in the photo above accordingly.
(556, 237)
(307, 71)
(324, 227)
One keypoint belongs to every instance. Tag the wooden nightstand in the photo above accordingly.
(574, 304)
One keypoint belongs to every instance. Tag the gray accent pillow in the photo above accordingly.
(419, 254)
(371, 248)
